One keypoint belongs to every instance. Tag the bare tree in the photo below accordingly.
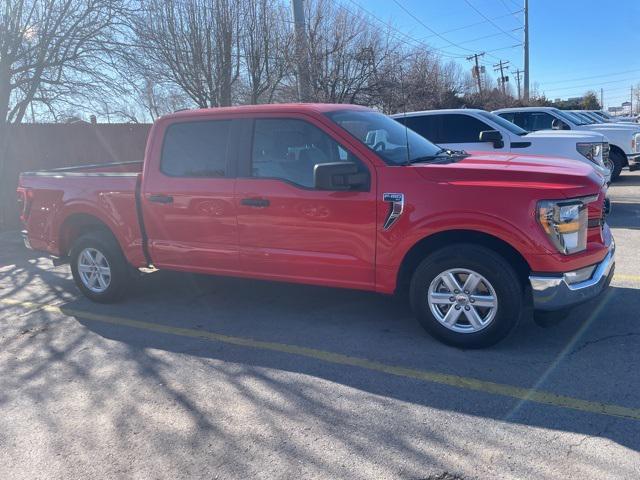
(345, 52)
(193, 44)
(266, 42)
(52, 53)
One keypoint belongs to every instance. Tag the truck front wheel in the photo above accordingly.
(466, 295)
(619, 161)
(98, 267)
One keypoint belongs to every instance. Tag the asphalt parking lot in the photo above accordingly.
(194, 377)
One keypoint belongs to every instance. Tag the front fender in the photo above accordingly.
(526, 239)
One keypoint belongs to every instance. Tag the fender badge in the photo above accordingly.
(396, 201)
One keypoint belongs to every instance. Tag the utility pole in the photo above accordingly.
(477, 70)
(631, 109)
(602, 98)
(526, 50)
(302, 61)
(500, 66)
(518, 72)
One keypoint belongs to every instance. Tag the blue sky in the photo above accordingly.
(572, 41)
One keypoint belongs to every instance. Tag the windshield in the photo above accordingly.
(584, 117)
(593, 117)
(602, 114)
(568, 117)
(388, 138)
(512, 127)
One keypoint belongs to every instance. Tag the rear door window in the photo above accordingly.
(534, 121)
(196, 149)
(428, 126)
(461, 129)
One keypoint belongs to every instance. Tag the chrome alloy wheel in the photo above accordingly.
(94, 270)
(462, 300)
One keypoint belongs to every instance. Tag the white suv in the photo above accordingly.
(624, 139)
(478, 130)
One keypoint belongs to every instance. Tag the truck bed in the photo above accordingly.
(105, 193)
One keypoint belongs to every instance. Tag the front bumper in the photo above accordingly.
(633, 159)
(555, 293)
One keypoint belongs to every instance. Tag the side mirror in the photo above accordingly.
(492, 136)
(339, 176)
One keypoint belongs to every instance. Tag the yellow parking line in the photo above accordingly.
(467, 383)
(629, 278)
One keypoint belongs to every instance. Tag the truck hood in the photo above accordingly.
(612, 126)
(571, 177)
(574, 135)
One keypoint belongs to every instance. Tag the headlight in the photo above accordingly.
(635, 143)
(565, 223)
(591, 151)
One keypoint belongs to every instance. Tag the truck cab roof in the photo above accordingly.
(266, 108)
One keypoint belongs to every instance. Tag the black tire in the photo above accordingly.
(619, 161)
(490, 265)
(107, 245)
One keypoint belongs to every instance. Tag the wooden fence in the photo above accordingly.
(43, 146)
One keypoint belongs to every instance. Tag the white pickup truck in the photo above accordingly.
(478, 130)
(624, 139)
(610, 118)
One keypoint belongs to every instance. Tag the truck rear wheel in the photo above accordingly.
(466, 295)
(98, 267)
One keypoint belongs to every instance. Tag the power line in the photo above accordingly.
(490, 21)
(486, 36)
(435, 34)
(439, 35)
(508, 9)
(464, 27)
(594, 85)
(505, 48)
(391, 27)
(589, 78)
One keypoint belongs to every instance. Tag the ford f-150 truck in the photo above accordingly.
(473, 129)
(624, 139)
(298, 193)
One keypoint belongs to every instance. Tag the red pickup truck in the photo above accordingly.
(334, 195)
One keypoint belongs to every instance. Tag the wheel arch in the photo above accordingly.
(431, 243)
(619, 151)
(78, 224)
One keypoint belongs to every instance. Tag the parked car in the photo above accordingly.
(589, 116)
(624, 140)
(478, 130)
(615, 119)
(334, 195)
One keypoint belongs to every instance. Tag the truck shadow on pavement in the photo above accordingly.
(125, 374)
(589, 356)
